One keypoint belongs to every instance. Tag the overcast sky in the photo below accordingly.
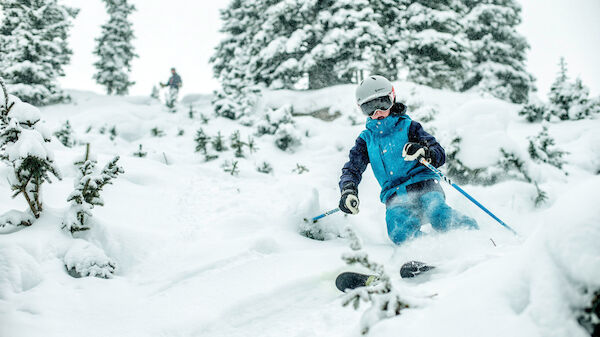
(183, 34)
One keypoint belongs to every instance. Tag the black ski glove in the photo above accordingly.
(349, 200)
(412, 151)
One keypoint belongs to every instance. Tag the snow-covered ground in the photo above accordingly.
(203, 253)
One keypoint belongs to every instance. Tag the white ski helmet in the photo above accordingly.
(372, 87)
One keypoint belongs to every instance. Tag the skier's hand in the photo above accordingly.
(413, 151)
(349, 200)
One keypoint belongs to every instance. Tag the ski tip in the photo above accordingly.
(350, 280)
(414, 268)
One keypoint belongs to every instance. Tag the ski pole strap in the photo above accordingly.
(325, 214)
(442, 176)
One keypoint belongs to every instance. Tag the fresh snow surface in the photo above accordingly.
(202, 253)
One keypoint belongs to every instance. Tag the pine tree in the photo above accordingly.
(294, 44)
(238, 95)
(33, 41)
(560, 92)
(385, 301)
(218, 144)
(86, 195)
(65, 135)
(237, 144)
(140, 152)
(388, 14)
(114, 49)
(541, 148)
(265, 168)
(327, 42)
(499, 50)
(436, 51)
(570, 100)
(201, 141)
(23, 147)
(534, 112)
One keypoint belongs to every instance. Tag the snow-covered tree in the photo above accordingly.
(86, 195)
(298, 44)
(33, 41)
(499, 50)
(542, 149)
(84, 259)
(570, 100)
(237, 144)
(201, 141)
(388, 14)
(65, 135)
(325, 42)
(23, 146)
(436, 50)
(385, 301)
(534, 112)
(237, 96)
(114, 48)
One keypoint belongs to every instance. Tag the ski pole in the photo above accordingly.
(446, 179)
(315, 219)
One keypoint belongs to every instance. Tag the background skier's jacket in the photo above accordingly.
(381, 145)
(174, 81)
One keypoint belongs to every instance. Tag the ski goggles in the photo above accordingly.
(380, 103)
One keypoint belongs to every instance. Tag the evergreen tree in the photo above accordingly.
(65, 135)
(237, 95)
(570, 100)
(541, 148)
(294, 43)
(499, 50)
(23, 146)
(114, 49)
(327, 42)
(560, 92)
(237, 144)
(33, 40)
(86, 195)
(534, 112)
(385, 301)
(201, 141)
(436, 51)
(388, 14)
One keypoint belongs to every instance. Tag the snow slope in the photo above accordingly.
(204, 253)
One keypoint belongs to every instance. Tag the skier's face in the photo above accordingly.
(380, 114)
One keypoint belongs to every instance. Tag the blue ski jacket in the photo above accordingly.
(381, 145)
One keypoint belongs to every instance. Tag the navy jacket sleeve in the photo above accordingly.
(416, 134)
(354, 168)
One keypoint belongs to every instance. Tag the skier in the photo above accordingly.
(174, 83)
(393, 143)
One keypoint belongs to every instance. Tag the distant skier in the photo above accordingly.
(393, 143)
(174, 83)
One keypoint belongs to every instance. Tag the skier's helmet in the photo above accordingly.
(375, 93)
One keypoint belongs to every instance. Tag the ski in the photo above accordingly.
(350, 280)
(414, 268)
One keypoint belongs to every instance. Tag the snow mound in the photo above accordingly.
(482, 125)
(19, 271)
(85, 259)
